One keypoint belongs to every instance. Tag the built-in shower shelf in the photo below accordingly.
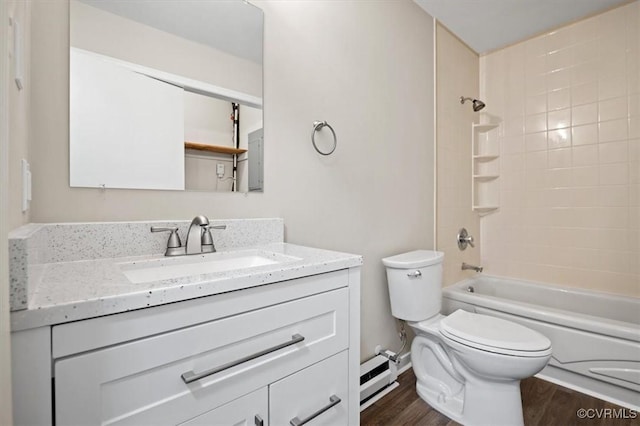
(485, 167)
(213, 148)
(485, 178)
(483, 128)
(485, 157)
(485, 209)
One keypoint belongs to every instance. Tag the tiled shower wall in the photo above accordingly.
(456, 75)
(569, 145)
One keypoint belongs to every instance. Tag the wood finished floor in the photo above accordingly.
(544, 404)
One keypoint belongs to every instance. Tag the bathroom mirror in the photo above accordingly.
(166, 95)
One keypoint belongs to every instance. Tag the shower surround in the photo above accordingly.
(570, 155)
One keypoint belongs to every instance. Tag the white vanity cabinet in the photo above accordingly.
(261, 356)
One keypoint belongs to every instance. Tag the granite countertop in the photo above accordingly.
(71, 291)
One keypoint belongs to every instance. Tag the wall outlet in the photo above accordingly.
(220, 169)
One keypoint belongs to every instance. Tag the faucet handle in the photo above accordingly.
(207, 227)
(174, 238)
(207, 239)
(463, 238)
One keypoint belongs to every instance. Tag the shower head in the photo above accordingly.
(477, 104)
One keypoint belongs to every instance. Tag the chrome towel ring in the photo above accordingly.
(318, 125)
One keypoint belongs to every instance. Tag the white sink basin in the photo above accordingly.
(184, 266)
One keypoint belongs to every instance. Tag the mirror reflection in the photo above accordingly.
(166, 95)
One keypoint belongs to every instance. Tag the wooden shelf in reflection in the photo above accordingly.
(213, 148)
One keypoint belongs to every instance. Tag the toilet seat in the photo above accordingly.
(493, 335)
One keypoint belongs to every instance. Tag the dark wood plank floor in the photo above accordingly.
(543, 403)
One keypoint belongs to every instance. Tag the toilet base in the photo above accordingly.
(450, 388)
(449, 406)
(492, 403)
(480, 404)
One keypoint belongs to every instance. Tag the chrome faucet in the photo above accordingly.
(199, 239)
(466, 266)
(193, 244)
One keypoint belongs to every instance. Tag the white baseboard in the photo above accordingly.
(370, 402)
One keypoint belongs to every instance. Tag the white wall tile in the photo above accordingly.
(614, 174)
(584, 93)
(612, 85)
(536, 141)
(559, 158)
(614, 130)
(586, 155)
(535, 84)
(558, 119)
(584, 114)
(574, 190)
(535, 123)
(559, 79)
(560, 138)
(612, 109)
(559, 99)
(536, 104)
(559, 59)
(585, 135)
(613, 152)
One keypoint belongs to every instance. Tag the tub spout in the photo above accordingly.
(466, 266)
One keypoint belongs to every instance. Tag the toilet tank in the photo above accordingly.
(415, 284)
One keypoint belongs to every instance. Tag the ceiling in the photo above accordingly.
(486, 25)
(233, 26)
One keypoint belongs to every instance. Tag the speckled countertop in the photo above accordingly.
(76, 290)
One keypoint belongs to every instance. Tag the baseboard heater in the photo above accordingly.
(377, 378)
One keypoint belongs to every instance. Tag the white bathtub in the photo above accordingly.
(595, 336)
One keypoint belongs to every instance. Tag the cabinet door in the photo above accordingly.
(248, 410)
(315, 396)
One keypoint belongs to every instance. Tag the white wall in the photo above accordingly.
(207, 120)
(19, 110)
(366, 67)
(5, 342)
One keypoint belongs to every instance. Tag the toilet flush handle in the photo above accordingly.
(415, 274)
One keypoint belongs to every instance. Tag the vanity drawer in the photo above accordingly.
(143, 382)
(316, 395)
(251, 409)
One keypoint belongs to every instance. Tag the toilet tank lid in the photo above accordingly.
(414, 259)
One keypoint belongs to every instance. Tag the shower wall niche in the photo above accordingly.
(485, 168)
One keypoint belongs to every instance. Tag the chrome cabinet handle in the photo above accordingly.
(415, 274)
(258, 420)
(190, 376)
(333, 401)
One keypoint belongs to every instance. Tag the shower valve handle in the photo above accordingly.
(464, 238)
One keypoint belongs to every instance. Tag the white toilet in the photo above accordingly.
(468, 366)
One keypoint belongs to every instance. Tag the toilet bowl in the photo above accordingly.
(468, 366)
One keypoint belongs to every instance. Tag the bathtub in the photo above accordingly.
(595, 336)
